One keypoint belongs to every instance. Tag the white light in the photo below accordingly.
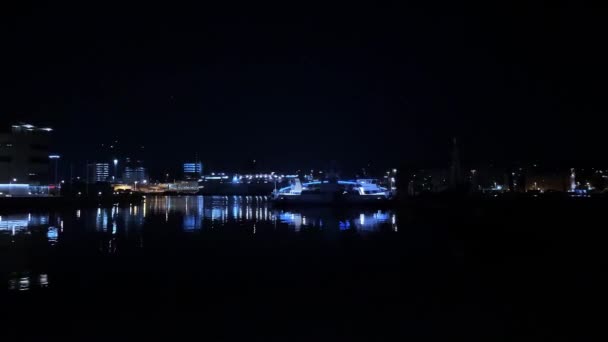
(99, 193)
(54, 156)
(115, 162)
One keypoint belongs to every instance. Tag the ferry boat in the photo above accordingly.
(332, 192)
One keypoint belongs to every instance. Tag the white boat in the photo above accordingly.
(332, 192)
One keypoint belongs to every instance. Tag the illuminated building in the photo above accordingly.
(54, 170)
(572, 180)
(98, 172)
(134, 172)
(193, 170)
(24, 155)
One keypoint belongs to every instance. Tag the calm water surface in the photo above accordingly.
(229, 215)
(235, 268)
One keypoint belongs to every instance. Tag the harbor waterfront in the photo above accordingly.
(284, 172)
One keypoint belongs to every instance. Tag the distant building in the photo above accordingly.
(547, 179)
(491, 177)
(456, 178)
(572, 180)
(134, 174)
(517, 179)
(428, 181)
(98, 172)
(193, 170)
(54, 168)
(24, 155)
(120, 156)
(134, 171)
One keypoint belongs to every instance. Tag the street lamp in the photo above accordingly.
(115, 170)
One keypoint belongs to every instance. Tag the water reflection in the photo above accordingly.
(196, 213)
(117, 227)
(25, 281)
(109, 220)
(21, 223)
(361, 221)
(217, 211)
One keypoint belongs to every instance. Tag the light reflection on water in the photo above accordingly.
(195, 213)
(25, 281)
(252, 214)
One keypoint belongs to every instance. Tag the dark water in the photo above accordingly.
(223, 268)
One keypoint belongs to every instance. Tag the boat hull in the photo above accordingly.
(328, 199)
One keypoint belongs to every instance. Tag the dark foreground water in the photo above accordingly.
(234, 268)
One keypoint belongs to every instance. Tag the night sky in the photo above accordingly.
(300, 85)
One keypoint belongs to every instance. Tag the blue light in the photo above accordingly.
(52, 234)
(348, 183)
(289, 218)
(193, 167)
(311, 183)
(344, 225)
(287, 188)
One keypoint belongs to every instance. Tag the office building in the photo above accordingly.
(54, 168)
(98, 172)
(193, 170)
(24, 155)
(133, 174)
(134, 171)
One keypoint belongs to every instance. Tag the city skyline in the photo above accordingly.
(300, 171)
